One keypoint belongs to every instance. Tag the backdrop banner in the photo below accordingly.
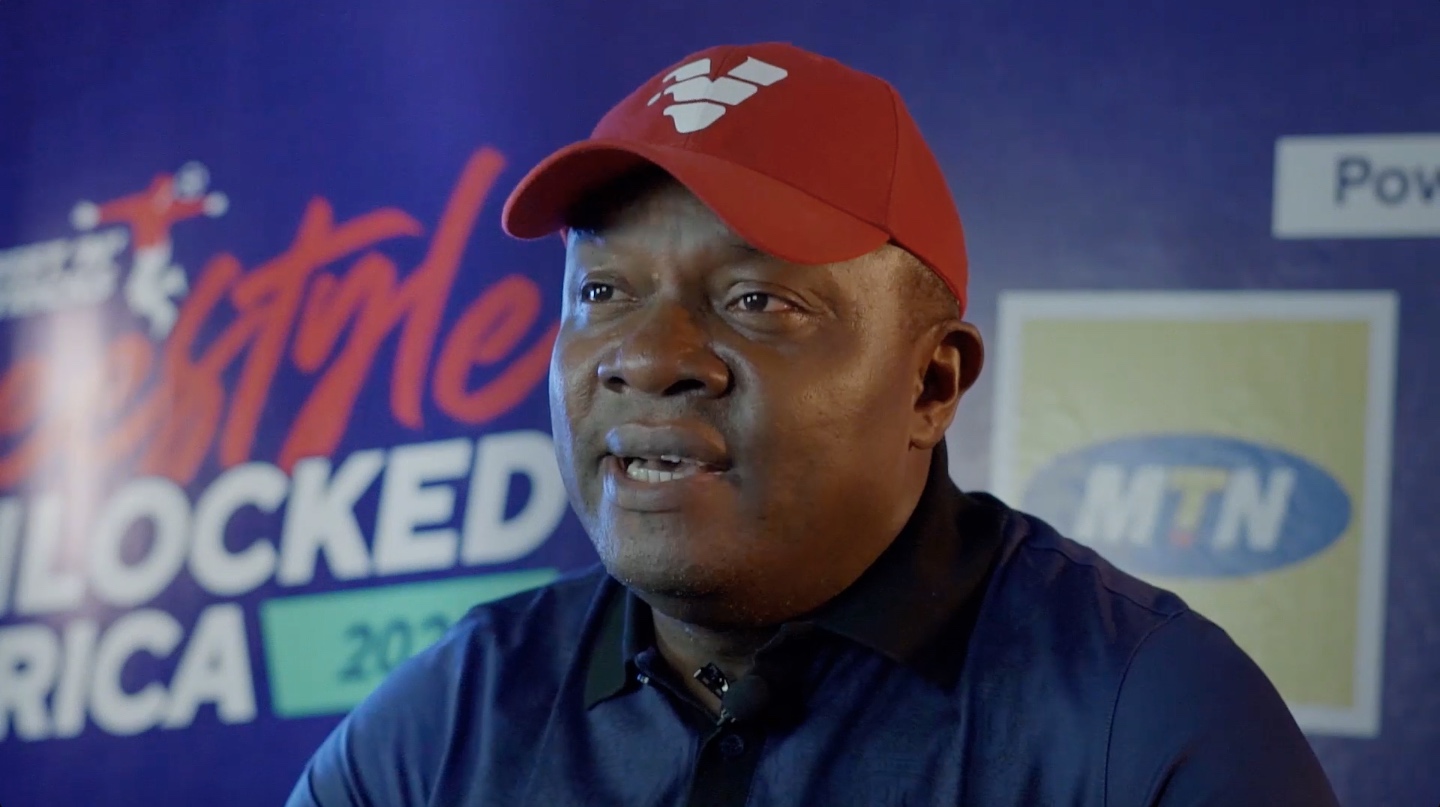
(273, 382)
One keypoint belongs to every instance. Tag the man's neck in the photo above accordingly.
(686, 648)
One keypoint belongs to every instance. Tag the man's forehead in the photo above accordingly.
(661, 212)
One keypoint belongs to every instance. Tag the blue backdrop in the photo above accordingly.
(1109, 146)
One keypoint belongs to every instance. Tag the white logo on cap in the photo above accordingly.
(696, 94)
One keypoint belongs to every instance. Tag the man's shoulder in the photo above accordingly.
(1070, 603)
(506, 656)
(1068, 645)
(1053, 574)
(1058, 610)
(551, 615)
(538, 629)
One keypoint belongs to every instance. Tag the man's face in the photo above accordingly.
(734, 430)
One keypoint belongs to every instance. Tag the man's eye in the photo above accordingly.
(758, 302)
(593, 292)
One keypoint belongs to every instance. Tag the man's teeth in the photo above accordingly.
(667, 468)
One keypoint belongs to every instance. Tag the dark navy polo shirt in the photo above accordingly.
(982, 660)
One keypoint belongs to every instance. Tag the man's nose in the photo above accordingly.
(665, 352)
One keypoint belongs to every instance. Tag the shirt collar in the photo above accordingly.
(915, 604)
(625, 632)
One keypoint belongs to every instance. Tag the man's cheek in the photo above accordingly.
(573, 380)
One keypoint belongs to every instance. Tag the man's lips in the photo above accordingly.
(666, 452)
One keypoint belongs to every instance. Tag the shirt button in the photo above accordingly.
(732, 745)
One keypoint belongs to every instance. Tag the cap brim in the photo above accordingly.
(770, 215)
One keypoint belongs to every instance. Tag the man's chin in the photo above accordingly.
(681, 587)
(710, 602)
(669, 581)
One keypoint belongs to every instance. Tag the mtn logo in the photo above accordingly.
(1192, 505)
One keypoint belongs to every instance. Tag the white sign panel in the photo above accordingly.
(1367, 186)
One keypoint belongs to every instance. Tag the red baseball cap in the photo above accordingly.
(805, 158)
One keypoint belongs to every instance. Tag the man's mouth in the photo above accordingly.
(664, 468)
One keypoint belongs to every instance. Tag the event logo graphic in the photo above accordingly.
(700, 100)
(157, 485)
(1192, 505)
(154, 282)
(75, 272)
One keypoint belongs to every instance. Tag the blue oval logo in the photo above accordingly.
(1191, 505)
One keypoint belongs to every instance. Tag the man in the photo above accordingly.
(761, 349)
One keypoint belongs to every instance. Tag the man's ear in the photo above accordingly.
(944, 375)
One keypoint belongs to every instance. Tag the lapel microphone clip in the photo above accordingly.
(746, 701)
(713, 679)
